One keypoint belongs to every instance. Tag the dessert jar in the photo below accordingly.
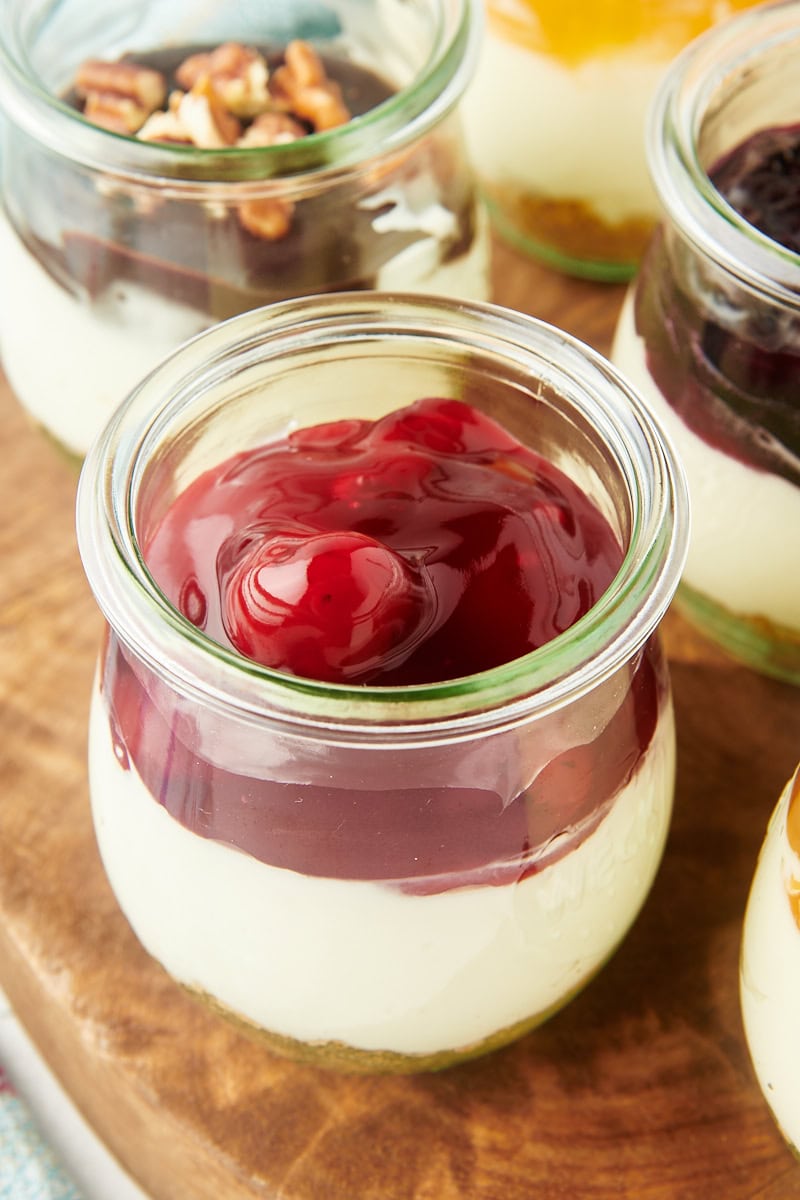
(770, 963)
(710, 333)
(379, 877)
(118, 247)
(555, 123)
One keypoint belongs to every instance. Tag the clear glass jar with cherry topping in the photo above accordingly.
(382, 745)
(167, 165)
(555, 123)
(710, 333)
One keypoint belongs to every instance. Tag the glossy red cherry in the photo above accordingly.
(329, 606)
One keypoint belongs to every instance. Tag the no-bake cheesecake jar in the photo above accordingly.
(555, 122)
(404, 846)
(710, 332)
(166, 165)
(770, 963)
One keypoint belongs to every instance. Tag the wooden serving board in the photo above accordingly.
(640, 1088)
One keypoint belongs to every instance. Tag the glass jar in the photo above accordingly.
(770, 963)
(381, 878)
(120, 248)
(710, 335)
(555, 125)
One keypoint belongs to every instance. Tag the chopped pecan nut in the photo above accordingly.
(322, 106)
(304, 63)
(119, 96)
(272, 129)
(195, 118)
(239, 75)
(204, 115)
(223, 91)
(144, 86)
(120, 114)
(165, 127)
(302, 87)
(270, 219)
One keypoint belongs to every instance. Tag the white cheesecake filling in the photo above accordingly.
(770, 976)
(564, 132)
(744, 550)
(364, 963)
(70, 359)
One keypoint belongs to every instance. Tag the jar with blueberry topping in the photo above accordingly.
(382, 744)
(166, 165)
(710, 332)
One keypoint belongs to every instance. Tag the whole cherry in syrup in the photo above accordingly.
(329, 606)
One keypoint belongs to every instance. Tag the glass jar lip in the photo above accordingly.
(587, 654)
(401, 119)
(688, 91)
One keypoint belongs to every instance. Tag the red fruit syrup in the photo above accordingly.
(419, 548)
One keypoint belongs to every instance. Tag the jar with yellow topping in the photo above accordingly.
(555, 122)
(770, 966)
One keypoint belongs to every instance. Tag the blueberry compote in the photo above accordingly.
(425, 546)
(760, 178)
(734, 381)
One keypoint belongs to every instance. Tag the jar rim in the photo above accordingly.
(402, 118)
(691, 87)
(587, 654)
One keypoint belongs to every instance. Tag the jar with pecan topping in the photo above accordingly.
(555, 122)
(172, 165)
(710, 333)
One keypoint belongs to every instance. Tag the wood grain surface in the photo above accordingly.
(640, 1088)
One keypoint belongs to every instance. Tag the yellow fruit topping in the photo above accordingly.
(574, 31)
(793, 838)
(793, 816)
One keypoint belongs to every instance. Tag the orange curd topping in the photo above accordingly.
(793, 838)
(575, 32)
